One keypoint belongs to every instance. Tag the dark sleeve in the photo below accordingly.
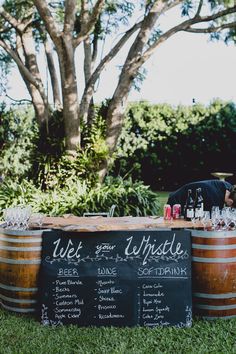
(172, 200)
(227, 185)
(179, 196)
(214, 193)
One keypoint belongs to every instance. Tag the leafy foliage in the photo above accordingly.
(166, 146)
(53, 168)
(76, 198)
(186, 7)
(17, 132)
(161, 145)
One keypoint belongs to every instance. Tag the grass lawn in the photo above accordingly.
(25, 335)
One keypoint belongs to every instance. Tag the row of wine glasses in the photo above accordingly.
(218, 219)
(224, 219)
(20, 216)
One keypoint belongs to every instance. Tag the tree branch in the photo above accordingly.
(27, 74)
(53, 74)
(87, 60)
(212, 29)
(69, 19)
(213, 17)
(199, 8)
(114, 51)
(86, 28)
(183, 26)
(48, 19)
(137, 57)
(18, 101)
(148, 23)
(10, 19)
(89, 89)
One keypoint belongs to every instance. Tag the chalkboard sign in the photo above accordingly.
(116, 278)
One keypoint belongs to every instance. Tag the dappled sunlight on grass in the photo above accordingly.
(21, 334)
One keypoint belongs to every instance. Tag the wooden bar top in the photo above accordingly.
(99, 223)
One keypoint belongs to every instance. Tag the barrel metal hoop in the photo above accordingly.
(215, 307)
(17, 309)
(19, 249)
(19, 240)
(19, 261)
(17, 301)
(214, 260)
(213, 247)
(213, 234)
(215, 296)
(16, 288)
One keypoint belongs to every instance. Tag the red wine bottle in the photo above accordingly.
(189, 209)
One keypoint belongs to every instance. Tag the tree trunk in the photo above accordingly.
(40, 109)
(70, 96)
(114, 119)
(88, 114)
(39, 98)
(53, 76)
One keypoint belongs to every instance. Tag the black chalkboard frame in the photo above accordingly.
(135, 303)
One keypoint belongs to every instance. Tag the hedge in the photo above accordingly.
(167, 146)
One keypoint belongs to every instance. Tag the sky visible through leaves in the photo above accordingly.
(186, 67)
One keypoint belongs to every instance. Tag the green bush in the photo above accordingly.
(27, 152)
(17, 132)
(166, 146)
(161, 145)
(53, 168)
(76, 198)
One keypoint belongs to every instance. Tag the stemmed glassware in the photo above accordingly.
(194, 221)
(20, 216)
(37, 218)
(205, 219)
(233, 219)
(17, 218)
(215, 217)
(223, 220)
(226, 218)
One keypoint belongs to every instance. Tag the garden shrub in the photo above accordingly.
(166, 147)
(161, 145)
(76, 198)
(53, 168)
(17, 132)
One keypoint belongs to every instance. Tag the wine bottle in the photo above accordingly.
(199, 204)
(189, 210)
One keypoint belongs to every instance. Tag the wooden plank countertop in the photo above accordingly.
(99, 223)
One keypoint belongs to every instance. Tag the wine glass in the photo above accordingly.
(8, 217)
(194, 220)
(215, 219)
(226, 218)
(205, 219)
(215, 209)
(37, 218)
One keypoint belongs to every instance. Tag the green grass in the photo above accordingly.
(25, 335)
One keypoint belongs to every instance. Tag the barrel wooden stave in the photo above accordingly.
(214, 274)
(20, 258)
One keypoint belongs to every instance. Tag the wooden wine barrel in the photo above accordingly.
(214, 273)
(20, 258)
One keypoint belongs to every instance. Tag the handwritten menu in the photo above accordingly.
(116, 278)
